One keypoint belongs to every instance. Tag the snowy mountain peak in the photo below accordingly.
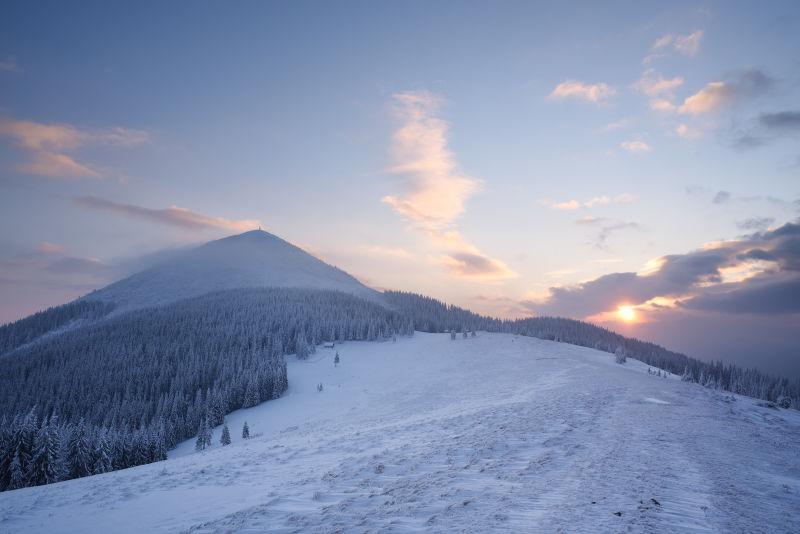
(251, 259)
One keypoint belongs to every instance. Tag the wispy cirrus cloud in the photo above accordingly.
(173, 216)
(687, 45)
(49, 146)
(47, 247)
(384, 251)
(660, 90)
(589, 92)
(605, 228)
(572, 204)
(687, 132)
(654, 84)
(636, 145)
(434, 189)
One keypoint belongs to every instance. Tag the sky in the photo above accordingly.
(636, 165)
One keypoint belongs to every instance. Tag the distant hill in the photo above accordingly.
(251, 259)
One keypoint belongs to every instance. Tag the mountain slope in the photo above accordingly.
(411, 436)
(251, 259)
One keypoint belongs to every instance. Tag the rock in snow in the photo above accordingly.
(493, 433)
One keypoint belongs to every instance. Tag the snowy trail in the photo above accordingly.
(494, 433)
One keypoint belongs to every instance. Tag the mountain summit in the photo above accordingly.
(252, 259)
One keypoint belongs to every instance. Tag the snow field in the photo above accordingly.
(494, 433)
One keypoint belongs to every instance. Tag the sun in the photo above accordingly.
(626, 313)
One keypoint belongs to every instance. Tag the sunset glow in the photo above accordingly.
(626, 313)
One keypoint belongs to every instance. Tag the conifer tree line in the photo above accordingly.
(25, 330)
(431, 315)
(131, 386)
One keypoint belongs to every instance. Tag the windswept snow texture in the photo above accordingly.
(251, 259)
(494, 433)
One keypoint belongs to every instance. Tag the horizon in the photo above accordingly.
(637, 170)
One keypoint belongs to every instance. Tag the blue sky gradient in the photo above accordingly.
(425, 146)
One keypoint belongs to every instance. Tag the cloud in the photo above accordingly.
(710, 98)
(739, 276)
(595, 92)
(384, 251)
(602, 237)
(635, 146)
(721, 197)
(720, 94)
(771, 201)
(625, 198)
(47, 145)
(660, 90)
(755, 223)
(661, 104)
(767, 128)
(38, 278)
(748, 142)
(464, 260)
(435, 191)
(568, 205)
(572, 204)
(687, 45)
(761, 295)
(173, 216)
(781, 120)
(653, 84)
(605, 228)
(622, 123)
(663, 42)
(54, 165)
(687, 132)
(476, 266)
(46, 247)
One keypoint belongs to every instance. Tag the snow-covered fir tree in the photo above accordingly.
(46, 464)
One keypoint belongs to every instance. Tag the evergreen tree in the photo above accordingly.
(18, 478)
(46, 464)
(79, 462)
(203, 436)
(102, 455)
(245, 431)
(226, 436)
(251, 397)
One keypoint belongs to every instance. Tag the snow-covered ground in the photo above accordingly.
(494, 433)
